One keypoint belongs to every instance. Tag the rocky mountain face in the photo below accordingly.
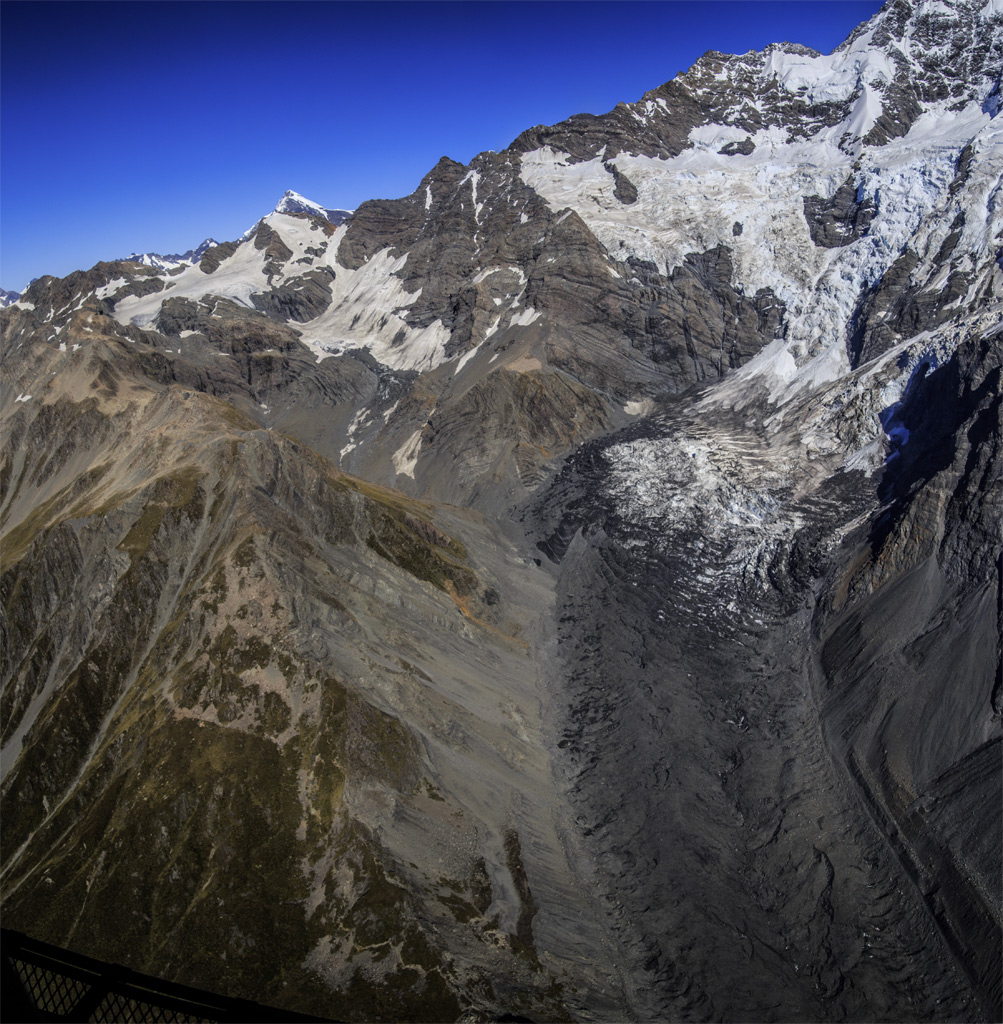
(570, 591)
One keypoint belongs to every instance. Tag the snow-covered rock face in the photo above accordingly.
(783, 216)
(748, 189)
(363, 308)
(754, 204)
(846, 225)
(293, 202)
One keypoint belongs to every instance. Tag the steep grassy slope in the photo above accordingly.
(268, 727)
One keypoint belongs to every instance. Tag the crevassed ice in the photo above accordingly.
(690, 203)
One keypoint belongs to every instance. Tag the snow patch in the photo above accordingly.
(483, 275)
(237, 279)
(360, 419)
(464, 359)
(367, 312)
(714, 136)
(639, 408)
(106, 291)
(406, 457)
(474, 177)
(866, 459)
(829, 78)
(526, 317)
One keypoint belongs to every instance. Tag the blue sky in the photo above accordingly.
(146, 126)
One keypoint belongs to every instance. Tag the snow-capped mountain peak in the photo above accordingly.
(293, 202)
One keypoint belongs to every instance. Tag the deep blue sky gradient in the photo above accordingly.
(145, 126)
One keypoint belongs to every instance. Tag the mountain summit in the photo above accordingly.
(293, 202)
(570, 591)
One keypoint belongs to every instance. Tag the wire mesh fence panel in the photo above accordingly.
(121, 1009)
(50, 992)
(42, 982)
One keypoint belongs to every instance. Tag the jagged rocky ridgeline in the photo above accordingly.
(569, 591)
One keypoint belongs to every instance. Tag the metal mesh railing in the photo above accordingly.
(131, 1011)
(50, 992)
(46, 983)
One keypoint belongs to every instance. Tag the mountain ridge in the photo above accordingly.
(171, 261)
